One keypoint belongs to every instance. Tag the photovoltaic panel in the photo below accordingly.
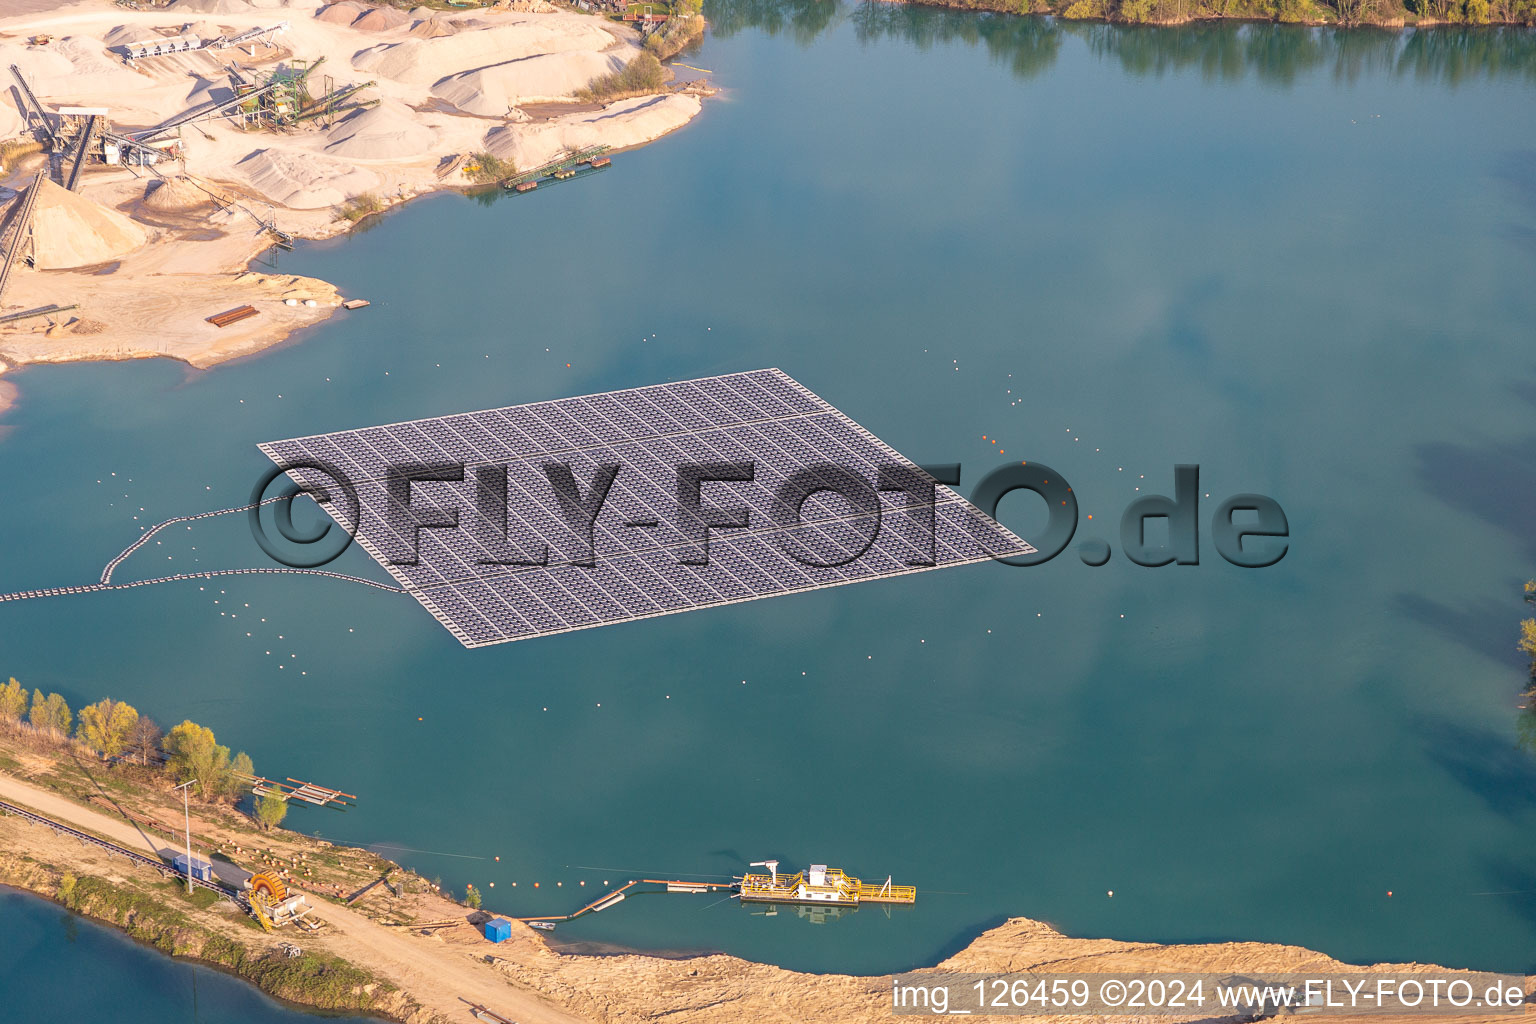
(463, 574)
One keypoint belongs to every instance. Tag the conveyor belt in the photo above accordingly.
(89, 840)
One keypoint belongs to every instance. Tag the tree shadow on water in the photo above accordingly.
(1485, 763)
(1495, 482)
(1487, 626)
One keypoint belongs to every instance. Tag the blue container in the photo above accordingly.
(498, 929)
(201, 869)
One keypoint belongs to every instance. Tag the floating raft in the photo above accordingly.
(308, 792)
(354, 304)
(317, 795)
(231, 316)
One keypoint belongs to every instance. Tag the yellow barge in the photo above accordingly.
(818, 884)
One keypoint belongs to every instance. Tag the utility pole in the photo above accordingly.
(188, 815)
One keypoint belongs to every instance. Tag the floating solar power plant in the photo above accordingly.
(718, 491)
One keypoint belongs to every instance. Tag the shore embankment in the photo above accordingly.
(374, 955)
(1346, 14)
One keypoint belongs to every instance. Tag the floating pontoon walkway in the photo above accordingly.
(576, 174)
(566, 160)
(616, 896)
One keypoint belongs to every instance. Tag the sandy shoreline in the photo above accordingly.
(529, 981)
(147, 254)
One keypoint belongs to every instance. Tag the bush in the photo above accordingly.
(488, 167)
(365, 204)
(271, 809)
(675, 36)
(642, 75)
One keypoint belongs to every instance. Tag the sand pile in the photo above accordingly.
(173, 195)
(625, 123)
(382, 19)
(122, 35)
(92, 70)
(72, 66)
(432, 28)
(206, 90)
(73, 231)
(492, 91)
(211, 7)
(388, 131)
(301, 180)
(40, 66)
(424, 61)
(344, 13)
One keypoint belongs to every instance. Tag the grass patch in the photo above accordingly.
(14, 150)
(640, 76)
(314, 979)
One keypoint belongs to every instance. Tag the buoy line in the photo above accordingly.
(122, 556)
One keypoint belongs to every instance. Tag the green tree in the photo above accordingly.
(241, 771)
(50, 713)
(107, 726)
(271, 809)
(1527, 641)
(13, 702)
(472, 897)
(191, 752)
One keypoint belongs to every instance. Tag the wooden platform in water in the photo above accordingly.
(297, 789)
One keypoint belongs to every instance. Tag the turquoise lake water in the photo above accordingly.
(1300, 260)
(45, 947)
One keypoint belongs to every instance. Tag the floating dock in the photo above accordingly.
(567, 167)
(297, 789)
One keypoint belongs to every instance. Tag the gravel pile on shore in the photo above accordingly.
(494, 90)
(173, 195)
(344, 13)
(303, 181)
(72, 231)
(621, 124)
(432, 28)
(382, 19)
(388, 131)
(425, 61)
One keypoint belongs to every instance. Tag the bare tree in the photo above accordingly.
(144, 740)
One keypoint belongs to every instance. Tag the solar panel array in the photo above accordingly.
(637, 547)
